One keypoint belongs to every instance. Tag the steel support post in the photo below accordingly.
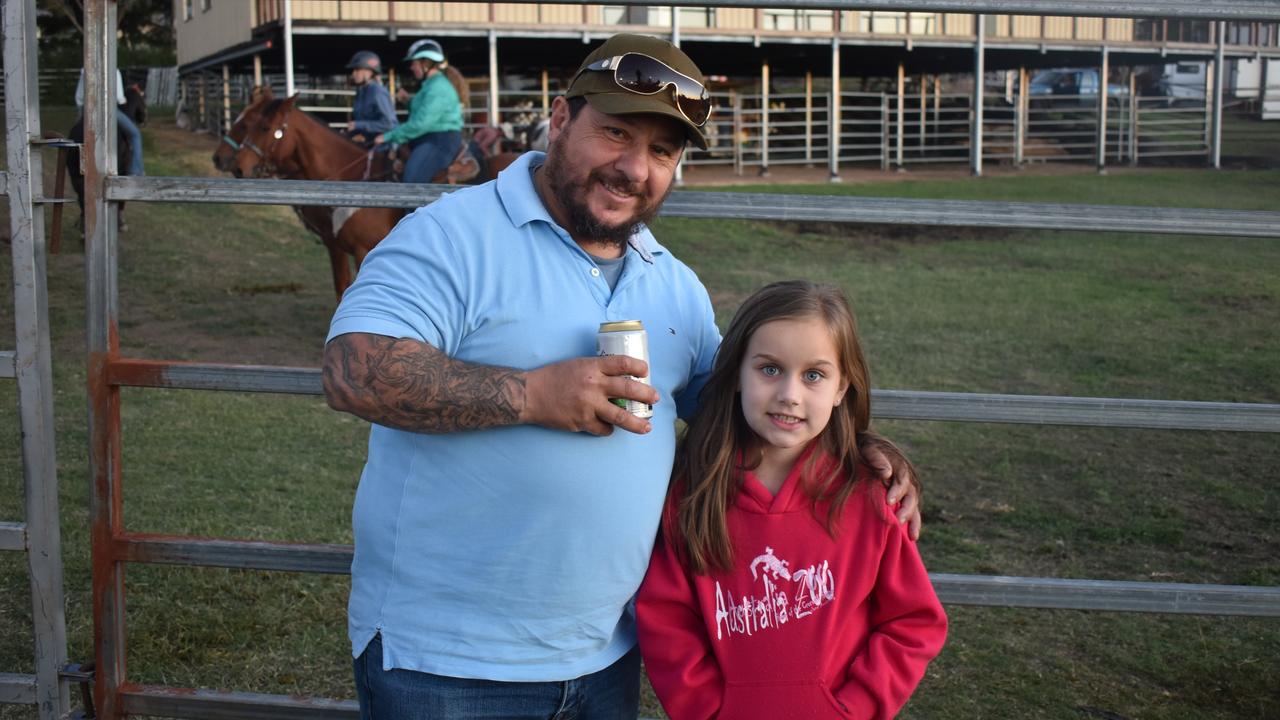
(1103, 70)
(257, 69)
(106, 501)
(833, 116)
(1134, 107)
(494, 118)
(1219, 68)
(675, 40)
(32, 359)
(979, 75)
(289, 85)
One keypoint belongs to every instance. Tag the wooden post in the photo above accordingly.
(226, 98)
(764, 118)
(900, 125)
(833, 114)
(808, 116)
(1020, 120)
(257, 69)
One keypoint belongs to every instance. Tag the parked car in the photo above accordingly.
(1069, 88)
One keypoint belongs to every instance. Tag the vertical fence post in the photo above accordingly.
(1020, 119)
(808, 116)
(1133, 119)
(257, 69)
(1219, 61)
(103, 344)
(546, 94)
(226, 99)
(288, 48)
(494, 117)
(736, 100)
(764, 118)
(1103, 70)
(899, 122)
(884, 131)
(834, 114)
(979, 75)
(32, 358)
(924, 86)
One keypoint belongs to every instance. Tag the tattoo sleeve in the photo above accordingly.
(411, 385)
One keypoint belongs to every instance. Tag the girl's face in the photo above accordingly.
(419, 68)
(789, 382)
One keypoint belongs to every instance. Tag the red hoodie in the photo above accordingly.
(804, 626)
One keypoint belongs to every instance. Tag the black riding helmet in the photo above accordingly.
(367, 60)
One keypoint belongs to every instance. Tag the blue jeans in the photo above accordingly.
(610, 694)
(135, 142)
(431, 154)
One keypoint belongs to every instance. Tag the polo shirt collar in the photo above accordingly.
(523, 206)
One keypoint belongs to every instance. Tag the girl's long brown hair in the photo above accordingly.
(708, 468)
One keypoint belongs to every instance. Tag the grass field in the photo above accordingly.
(1118, 315)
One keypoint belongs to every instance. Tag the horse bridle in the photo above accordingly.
(266, 165)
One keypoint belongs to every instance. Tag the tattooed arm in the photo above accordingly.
(411, 385)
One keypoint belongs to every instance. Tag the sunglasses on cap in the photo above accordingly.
(645, 75)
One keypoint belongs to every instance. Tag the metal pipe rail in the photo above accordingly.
(889, 404)
(737, 206)
(1203, 9)
(1048, 593)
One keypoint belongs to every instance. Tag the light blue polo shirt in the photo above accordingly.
(513, 554)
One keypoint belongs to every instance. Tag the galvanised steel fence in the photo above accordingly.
(37, 533)
(114, 545)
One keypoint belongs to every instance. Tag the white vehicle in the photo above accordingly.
(1183, 80)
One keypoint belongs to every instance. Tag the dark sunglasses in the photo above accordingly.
(645, 75)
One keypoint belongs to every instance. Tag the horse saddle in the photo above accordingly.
(466, 166)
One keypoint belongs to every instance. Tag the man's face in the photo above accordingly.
(609, 173)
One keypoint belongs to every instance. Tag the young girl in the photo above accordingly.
(780, 586)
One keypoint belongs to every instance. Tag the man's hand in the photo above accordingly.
(898, 479)
(575, 395)
(378, 140)
(402, 95)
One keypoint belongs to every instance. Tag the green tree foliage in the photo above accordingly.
(145, 32)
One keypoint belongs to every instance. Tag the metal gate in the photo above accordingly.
(30, 363)
(113, 545)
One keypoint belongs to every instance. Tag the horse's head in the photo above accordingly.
(268, 143)
(226, 152)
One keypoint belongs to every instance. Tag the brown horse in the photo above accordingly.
(315, 218)
(286, 142)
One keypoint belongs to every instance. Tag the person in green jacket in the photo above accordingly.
(434, 127)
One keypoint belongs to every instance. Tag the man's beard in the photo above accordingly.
(572, 197)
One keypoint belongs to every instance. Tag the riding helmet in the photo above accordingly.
(367, 60)
(425, 49)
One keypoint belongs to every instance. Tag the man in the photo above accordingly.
(502, 526)
(372, 111)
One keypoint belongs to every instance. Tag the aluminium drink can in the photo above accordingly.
(626, 338)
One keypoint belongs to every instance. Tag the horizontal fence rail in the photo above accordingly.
(1206, 9)
(13, 536)
(889, 404)
(217, 705)
(16, 689)
(1048, 593)
(739, 206)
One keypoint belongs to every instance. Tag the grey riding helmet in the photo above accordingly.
(367, 60)
(425, 49)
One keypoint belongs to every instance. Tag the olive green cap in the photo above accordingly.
(600, 91)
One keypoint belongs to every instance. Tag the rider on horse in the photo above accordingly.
(434, 127)
(372, 112)
(124, 124)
